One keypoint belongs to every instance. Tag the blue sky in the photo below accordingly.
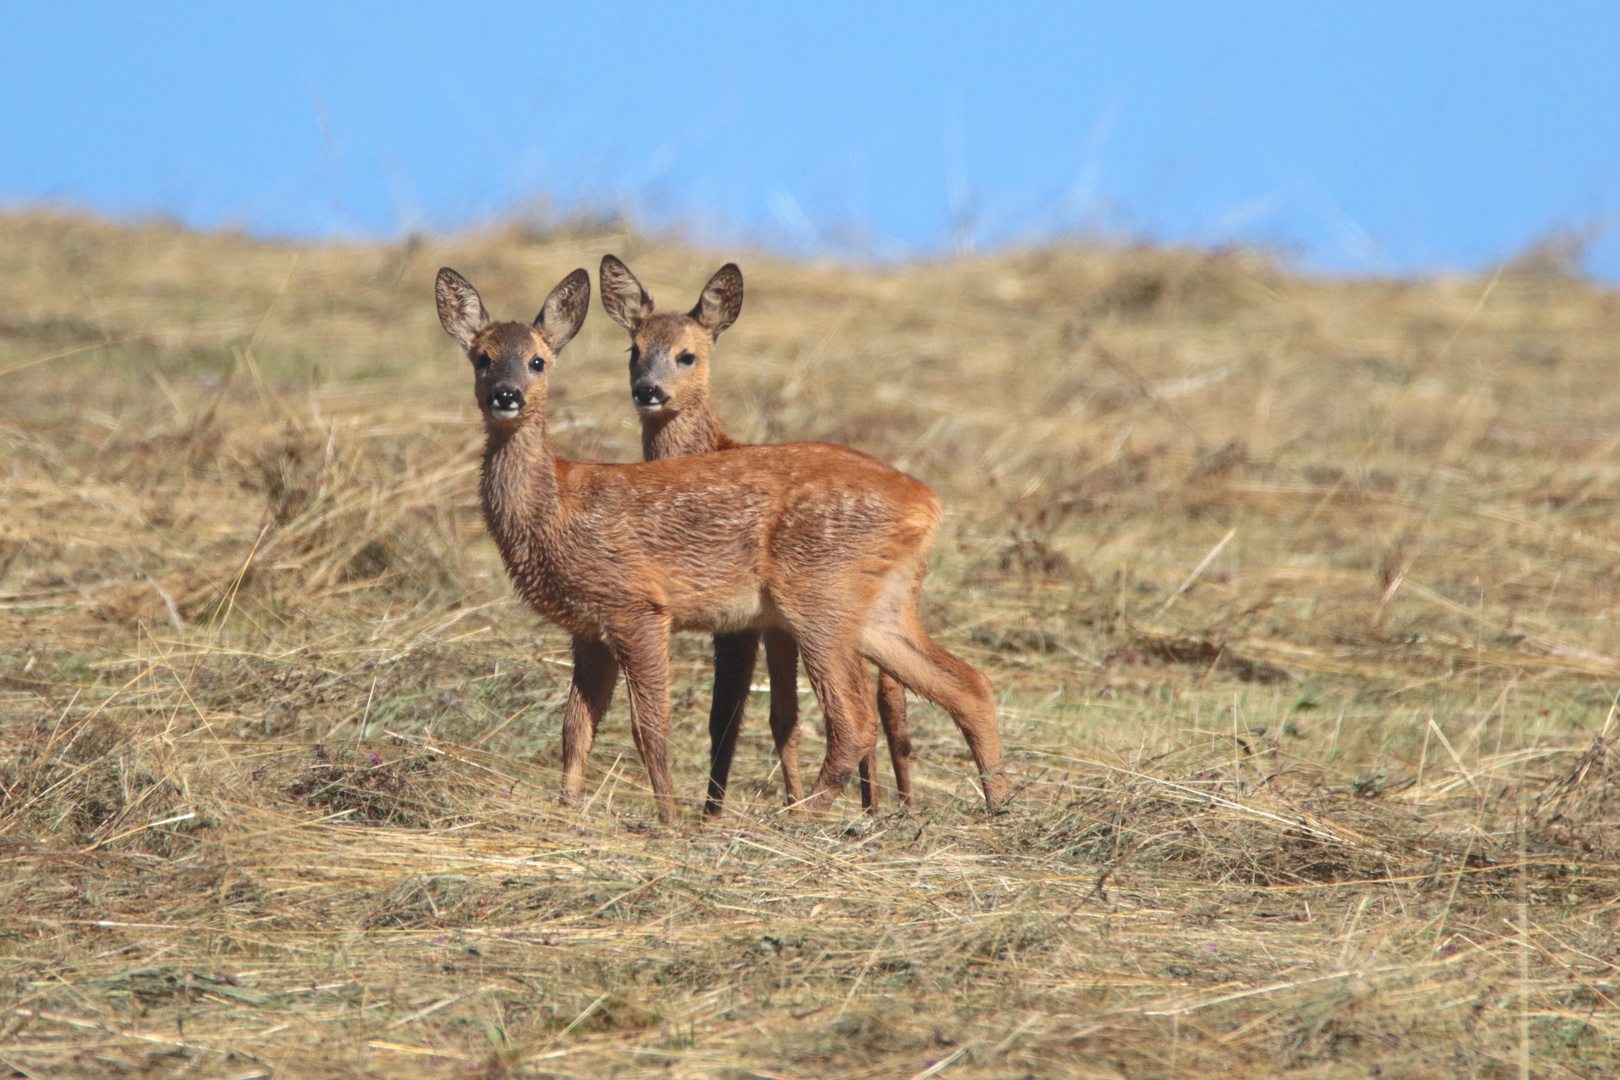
(1369, 137)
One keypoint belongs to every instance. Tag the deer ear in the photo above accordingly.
(721, 301)
(627, 303)
(564, 310)
(461, 312)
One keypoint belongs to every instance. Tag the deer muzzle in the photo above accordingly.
(505, 401)
(648, 396)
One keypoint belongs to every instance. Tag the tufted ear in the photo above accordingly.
(627, 303)
(721, 301)
(461, 312)
(564, 310)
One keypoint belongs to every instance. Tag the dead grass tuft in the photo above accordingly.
(378, 792)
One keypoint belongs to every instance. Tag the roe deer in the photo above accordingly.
(669, 383)
(823, 541)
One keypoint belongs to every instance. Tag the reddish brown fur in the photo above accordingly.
(822, 541)
(686, 423)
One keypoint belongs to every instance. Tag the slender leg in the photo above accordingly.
(734, 656)
(903, 650)
(841, 685)
(595, 672)
(782, 661)
(871, 796)
(891, 703)
(891, 706)
(643, 653)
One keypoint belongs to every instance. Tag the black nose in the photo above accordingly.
(506, 399)
(648, 395)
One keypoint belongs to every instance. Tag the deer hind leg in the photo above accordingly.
(891, 703)
(899, 645)
(595, 672)
(782, 651)
(840, 681)
(734, 656)
(644, 656)
(782, 661)
(871, 796)
(891, 707)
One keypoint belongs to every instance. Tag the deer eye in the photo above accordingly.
(686, 359)
(537, 364)
(480, 361)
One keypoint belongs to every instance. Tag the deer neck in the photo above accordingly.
(518, 492)
(695, 429)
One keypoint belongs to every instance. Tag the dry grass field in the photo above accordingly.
(1296, 595)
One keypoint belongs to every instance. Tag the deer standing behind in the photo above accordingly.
(669, 383)
(822, 541)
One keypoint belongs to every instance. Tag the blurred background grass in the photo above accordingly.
(1295, 593)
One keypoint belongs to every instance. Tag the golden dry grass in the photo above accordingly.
(1296, 594)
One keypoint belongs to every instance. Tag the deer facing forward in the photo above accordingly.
(669, 384)
(824, 542)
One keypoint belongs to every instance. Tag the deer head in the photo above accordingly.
(669, 351)
(511, 359)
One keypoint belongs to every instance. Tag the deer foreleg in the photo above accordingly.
(734, 656)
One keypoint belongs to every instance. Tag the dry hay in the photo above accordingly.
(1295, 594)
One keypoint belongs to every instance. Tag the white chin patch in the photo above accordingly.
(650, 408)
(504, 414)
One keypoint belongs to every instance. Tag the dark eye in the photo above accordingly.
(635, 356)
(686, 359)
(538, 364)
(480, 361)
